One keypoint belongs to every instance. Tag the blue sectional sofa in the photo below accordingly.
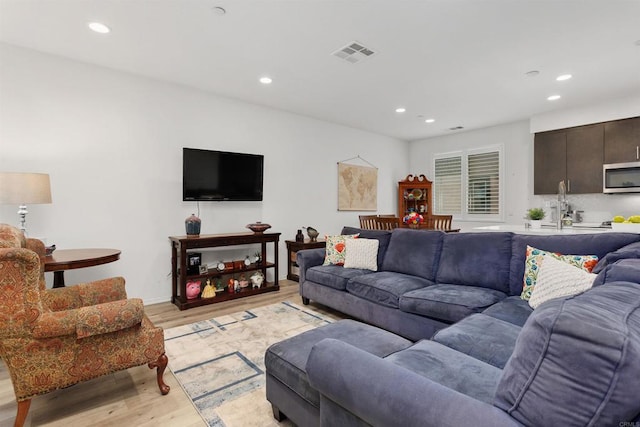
(477, 354)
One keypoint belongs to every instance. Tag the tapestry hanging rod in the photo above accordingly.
(360, 158)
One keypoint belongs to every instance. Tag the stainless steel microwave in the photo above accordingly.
(621, 178)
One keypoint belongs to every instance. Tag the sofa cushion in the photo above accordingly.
(413, 252)
(629, 251)
(286, 360)
(450, 303)
(385, 287)
(381, 236)
(482, 337)
(534, 259)
(576, 361)
(593, 244)
(476, 259)
(361, 253)
(335, 249)
(625, 270)
(450, 368)
(558, 279)
(333, 276)
(512, 309)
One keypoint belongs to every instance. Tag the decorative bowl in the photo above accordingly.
(312, 233)
(258, 227)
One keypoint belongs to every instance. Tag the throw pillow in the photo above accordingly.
(335, 252)
(361, 253)
(557, 279)
(534, 258)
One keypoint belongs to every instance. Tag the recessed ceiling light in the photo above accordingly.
(99, 27)
(553, 98)
(430, 120)
(400, 110)
(532, 73)
(265, 80)
(563, 77)
(219, 10)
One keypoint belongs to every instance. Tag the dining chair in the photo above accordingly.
(387, 223)
(367, 222)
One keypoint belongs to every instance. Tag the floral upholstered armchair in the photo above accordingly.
(54, 338)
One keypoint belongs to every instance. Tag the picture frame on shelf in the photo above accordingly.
(204, 269)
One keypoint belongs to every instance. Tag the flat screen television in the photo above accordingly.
(209, 175)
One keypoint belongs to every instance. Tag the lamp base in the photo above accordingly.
(22, 212)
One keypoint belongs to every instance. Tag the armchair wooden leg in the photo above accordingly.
(23, 410)
(161, 364)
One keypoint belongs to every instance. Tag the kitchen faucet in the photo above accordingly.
(561, 207)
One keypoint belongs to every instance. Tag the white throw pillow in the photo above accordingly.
(557, 279)
(361, 253)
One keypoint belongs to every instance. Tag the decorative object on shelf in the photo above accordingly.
(238, 264)
(535, 216)
(219, 286)
(312, 233)
(257, 257)
(258, 227)
(209, 291)
(247, 261)
(243, 282)
(413, 220)
(299, 236)
(230, 286)
(193, 289)
(236, 286)
(49, 250)
(220, 266)
(203, 269)
(192, 225)
(257, 279)
(194, 260)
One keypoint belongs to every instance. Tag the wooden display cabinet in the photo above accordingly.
(181, 246)
(414, 195)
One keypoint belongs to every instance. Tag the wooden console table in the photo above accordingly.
(69, 259)
(182, 245)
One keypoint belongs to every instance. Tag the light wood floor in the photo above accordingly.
(131, 397)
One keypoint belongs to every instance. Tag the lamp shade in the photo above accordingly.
(24, 188)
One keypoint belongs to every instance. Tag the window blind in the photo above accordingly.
(483, 186)
(448, 185)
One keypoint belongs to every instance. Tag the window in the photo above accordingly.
(468, 184)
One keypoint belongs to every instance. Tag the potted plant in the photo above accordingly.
(535, 216)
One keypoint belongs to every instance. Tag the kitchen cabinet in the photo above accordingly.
(622, 141)
(574, 155)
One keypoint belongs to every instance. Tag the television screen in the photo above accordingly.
(221, 175)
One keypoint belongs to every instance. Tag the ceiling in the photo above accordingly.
(460, 62)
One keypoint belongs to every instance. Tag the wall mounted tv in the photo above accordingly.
(220, 176)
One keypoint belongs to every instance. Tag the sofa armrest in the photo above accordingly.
(382, 393)
(93, 320)
(85, 294)
(308, 258)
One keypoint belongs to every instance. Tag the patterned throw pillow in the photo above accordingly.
(336, 249)
(558, 279)
(361, 253)
(534, 259)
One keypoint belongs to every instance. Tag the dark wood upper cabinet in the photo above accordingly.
(585, 154)
(550, 161)
(622, 141)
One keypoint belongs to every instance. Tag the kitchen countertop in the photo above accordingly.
(549, 228)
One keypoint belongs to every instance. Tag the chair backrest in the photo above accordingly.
(367, 222)
(387, 223)
(439, 222)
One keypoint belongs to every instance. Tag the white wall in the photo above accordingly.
(112, 144)
(518, 175)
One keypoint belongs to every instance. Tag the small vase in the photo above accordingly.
(299, 236)
(192, 225)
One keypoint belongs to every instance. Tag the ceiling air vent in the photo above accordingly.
(353, 53)
(456, 128)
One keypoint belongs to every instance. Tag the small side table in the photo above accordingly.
(69, 259)
(293, 271)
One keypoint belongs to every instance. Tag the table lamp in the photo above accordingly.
(22, 189)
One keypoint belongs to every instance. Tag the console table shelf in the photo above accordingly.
(180, 245)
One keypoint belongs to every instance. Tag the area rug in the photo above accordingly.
(220, 362)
